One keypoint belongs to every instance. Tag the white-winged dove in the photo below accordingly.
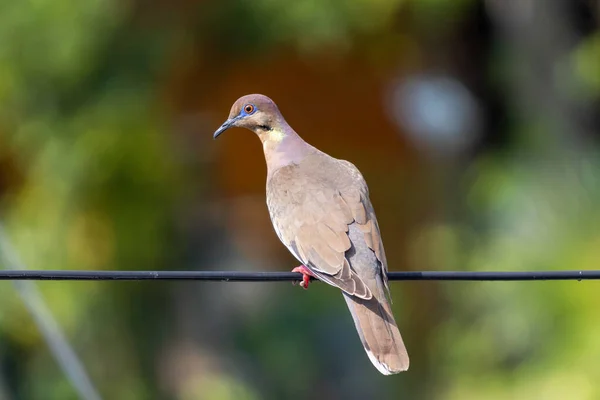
(321, 211)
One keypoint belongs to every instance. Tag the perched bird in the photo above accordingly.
(321, 211)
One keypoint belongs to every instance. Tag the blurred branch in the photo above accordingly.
(4, 395)
(60, 348)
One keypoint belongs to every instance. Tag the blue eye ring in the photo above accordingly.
(249, 109)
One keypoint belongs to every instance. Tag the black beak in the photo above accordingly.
(226, 125)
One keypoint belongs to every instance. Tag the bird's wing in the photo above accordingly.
(370, 227)
(311, 212)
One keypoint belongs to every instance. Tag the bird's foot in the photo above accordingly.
(306, 275)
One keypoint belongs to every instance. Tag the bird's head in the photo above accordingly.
(257, 113)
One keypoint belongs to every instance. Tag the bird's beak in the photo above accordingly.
(226, 125)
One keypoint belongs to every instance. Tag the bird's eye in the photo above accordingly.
(249, 108)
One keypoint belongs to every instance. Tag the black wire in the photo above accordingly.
(239, 276)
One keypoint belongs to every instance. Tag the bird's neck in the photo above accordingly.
(283, 146)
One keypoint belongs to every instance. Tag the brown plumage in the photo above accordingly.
(321, 211)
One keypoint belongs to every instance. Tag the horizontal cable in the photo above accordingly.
(248, 276)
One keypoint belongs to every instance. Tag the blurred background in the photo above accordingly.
(475, 123)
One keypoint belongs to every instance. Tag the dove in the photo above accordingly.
(321, 211)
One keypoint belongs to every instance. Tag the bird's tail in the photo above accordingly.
(379, 333)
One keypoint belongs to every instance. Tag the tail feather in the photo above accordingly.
(379, 334)
(373, 315)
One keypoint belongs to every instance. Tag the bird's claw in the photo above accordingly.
(306, 275)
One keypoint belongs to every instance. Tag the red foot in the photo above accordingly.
(306, 274)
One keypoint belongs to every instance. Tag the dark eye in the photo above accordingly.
(249, 108)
